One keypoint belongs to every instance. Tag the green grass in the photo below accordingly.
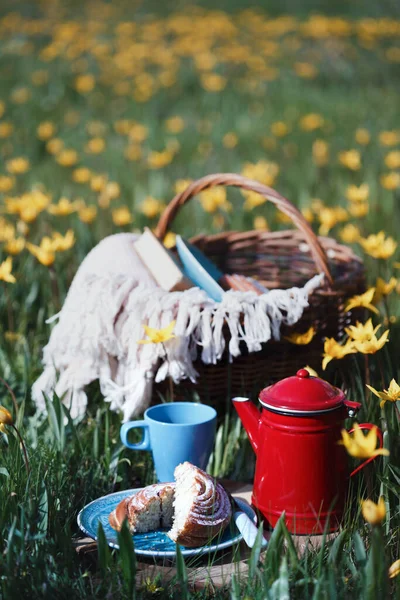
(356, 86)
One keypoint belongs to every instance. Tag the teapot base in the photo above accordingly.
(300, 523)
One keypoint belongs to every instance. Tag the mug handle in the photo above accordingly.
(368, 426)
(144, 444)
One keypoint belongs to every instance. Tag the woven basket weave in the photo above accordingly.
(281, 259)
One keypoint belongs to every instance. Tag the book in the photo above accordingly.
(161, 263)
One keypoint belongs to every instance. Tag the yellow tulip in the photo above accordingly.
(5, 271)
(392, 394)
(378, 246)
(158, 336)
(301, 339)
(122, 216)
(350, 159)
(5, 417)
(363, 300)
(363, 337)
(373, 513)
(15, 246)
(362, 446)
(383, 288)
(394, 569)
(332, 350)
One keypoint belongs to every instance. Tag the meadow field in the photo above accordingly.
(106, 111)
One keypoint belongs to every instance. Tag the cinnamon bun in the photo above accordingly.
(202, 508)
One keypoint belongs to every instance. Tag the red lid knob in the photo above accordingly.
(303, 373)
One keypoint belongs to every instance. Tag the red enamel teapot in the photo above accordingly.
(300, 469)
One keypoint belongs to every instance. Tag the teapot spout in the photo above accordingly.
(249, 416)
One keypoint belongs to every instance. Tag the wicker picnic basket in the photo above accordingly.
(280, 259)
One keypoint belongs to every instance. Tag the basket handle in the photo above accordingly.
(232, 179)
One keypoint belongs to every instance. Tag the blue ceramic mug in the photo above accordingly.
(175, 432)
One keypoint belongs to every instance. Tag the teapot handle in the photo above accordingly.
(379, 433)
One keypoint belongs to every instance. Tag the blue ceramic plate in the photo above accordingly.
(200, 269)
(155, 543)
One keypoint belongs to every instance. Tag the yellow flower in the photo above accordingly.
(157, 160)
(181, 185)
(311, 121)
(305, 70)
(383, 288)
(151, 207)
(332, 349)
(17, 166)
(213, 199)
(2, 108)
(359, 209)
(87, 214)
(63, 208)
(169, 240)
(389, 138)
(362, 446)
(312, 372)
(7, 230)
(40, 77)
(357, 194)
(54, 146)
(392, 394)
(12, 336)
(133, 152)
(110, 191)
(67, 157)
(5, 417)
(394, 569)
(329, 216)
(5, 271)
(62, 243)
(44, 253)
(175, 124)
(230, 140)
(81, 175)
(84, 83)
(373, 513)
(137, 132)
(350, 233)
(6, 129)
(351, 159)
(158, 336)
(320, 152)
(363, 300)
(390, 181)
(98, 183)
(364, 338)
(301, 339)
(20, 95)
(6, 183)
(122, 216)
(377, 246)
(212, 82)
(260, 223)
(362, 136)
(392, 160)
(263, 171)
(15, 246)
(45, 130)
(95, 146)
(279, 129)
(307, 214)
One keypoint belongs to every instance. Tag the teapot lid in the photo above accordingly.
(301, 394)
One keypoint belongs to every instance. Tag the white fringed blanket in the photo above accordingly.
(112, 296)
